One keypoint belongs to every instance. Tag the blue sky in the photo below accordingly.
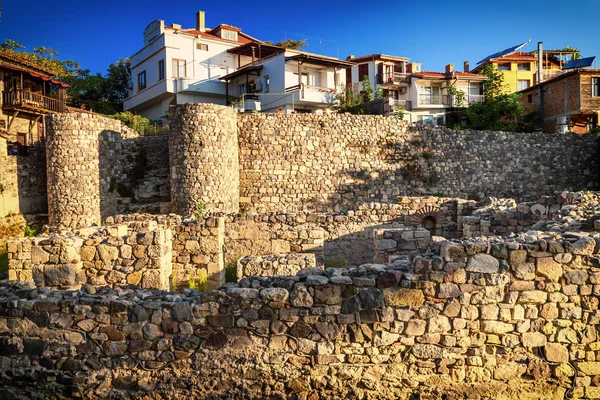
(433, 32)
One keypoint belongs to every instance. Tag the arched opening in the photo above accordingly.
(429, 223)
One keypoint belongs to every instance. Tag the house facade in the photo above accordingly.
(385, 72)
(519, 70)
(178, 65)
(430, 95)
(29, 94)
(276, 79)
(570, 101)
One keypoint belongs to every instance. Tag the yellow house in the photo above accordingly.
(518, 68)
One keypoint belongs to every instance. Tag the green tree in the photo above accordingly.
(367, 90)
(493, 86)
(117, 83)
(291, 44)
(103, 94)
(43, 56)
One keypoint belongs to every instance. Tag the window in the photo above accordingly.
(524, 67)
(522, 84)
(304, 78)
(595, 87)
(363, 70)
(161, 70)
(179, 69)
(202, 46)
(228, 35)
(530, 98)
(349, 76)
(504, 67)
(142, 80)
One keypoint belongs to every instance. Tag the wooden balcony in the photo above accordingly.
(27, 101)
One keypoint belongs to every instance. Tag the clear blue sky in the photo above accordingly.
(433, 32)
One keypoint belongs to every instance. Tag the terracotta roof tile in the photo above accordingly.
(241, 39)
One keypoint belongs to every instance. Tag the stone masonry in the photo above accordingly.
(203, 150)
(489, 319)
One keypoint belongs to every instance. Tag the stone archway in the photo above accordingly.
(430, 218)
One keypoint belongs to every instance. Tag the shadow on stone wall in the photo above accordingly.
(32, 180)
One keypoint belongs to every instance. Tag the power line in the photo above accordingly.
(321, 40)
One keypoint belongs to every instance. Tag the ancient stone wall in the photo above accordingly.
(338, 239)
(84, 167)
(203, 148)
(23, 180)
(272, 265)
(336, 162)
(119, 255)
(478, 319)
(136, 249)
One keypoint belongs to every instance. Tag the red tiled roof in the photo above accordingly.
(374, 56)
(241, 39)
(457, 74)
(518, 56)
(226, 26)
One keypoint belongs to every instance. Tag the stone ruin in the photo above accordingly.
(351, 281)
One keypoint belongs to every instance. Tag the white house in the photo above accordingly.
(279, 79)
(384, 72)
(423, 95)
(179, 65)
(429, 99)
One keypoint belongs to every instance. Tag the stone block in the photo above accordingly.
(395, 297)
(60, 275)
(483, 263)
(547, 267)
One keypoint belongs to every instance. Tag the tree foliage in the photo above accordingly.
(291, 44)
(499, 111)
(103, 94)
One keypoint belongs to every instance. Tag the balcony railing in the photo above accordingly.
(391, 78)
(406, 104)
(29, 100)
(434, 99)
(468, 99)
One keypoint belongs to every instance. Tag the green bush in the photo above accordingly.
(200, 282)
(336, 262)
(131, 120)
(231, 273)
(3, 261)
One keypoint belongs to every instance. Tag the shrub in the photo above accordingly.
(200, 282)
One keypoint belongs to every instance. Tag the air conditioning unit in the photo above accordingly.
(561, 120)
(403, 90)
(251, 105)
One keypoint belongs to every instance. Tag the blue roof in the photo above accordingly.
(580, 63)
(503, 52)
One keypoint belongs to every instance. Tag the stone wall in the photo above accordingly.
(272, 265)
(23, 181)
(203, 148)
(480, 318)
(337, 162)
(338, 239)
(119, 255)
(84, 167)
(136, 249)
(392, 243)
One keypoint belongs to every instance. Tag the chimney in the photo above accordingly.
(176, 26)
(466, 66)
(449, 68)
(350, 57)
(200, 21)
